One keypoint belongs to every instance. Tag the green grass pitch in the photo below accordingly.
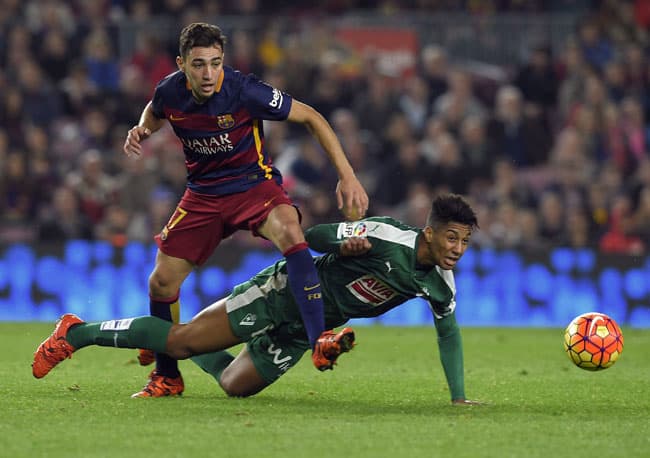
(387, 398)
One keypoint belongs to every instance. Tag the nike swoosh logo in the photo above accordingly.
(309, 288)
(593, 323)
(174, 118)
(268, 202)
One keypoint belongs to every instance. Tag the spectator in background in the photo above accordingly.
(449, 170)
(135, 182)
(578, 230)
(509, 186)
(459, 101)
(638, 181)
(12, 116)
(433, 62)
(640, 216)
(597, 208)
(592, 105)
(95, 189)
(537, 81)
(96, 130)
(151, 60)
(429, 144)
(569, 168)
(55, 55)
(19, 45)
(619, 237)
(415, 207)
(528, 223)
(114, 226)
(40, 163)
(574, 72)
(375, 106)
(636, 133)
(476, 152)
(636, 68)
(406, 167)
(18, 200)
(41, 101)
(552, 215)
(414, 103)
(523, 140)
(614, 139)
(596, 47)
(505, 231)
(135, 92)
(79, 90)
(62, 220)
(397, 132)
(100, 60)
(614, 80)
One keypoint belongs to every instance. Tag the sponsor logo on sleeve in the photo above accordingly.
(278, 98)
(356, 229)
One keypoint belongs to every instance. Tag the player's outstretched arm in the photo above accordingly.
(450, 346)
(351, 197)
(324, 238)
(148, 124)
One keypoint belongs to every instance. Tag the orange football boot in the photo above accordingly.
(55, 348)
(160, 386)
(146, 357)
(329, 347)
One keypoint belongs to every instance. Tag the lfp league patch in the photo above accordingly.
(354, 229)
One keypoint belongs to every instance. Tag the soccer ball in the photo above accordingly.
(593, 341)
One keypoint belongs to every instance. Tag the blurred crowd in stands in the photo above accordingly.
(554, 153)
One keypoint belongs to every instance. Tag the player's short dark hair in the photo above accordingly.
(448, 208)
(200, 34)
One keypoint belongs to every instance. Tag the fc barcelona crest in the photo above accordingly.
(225, 121)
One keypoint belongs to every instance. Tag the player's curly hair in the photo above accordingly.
(200, 34)
(449, 208)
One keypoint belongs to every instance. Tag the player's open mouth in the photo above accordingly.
(451, 261)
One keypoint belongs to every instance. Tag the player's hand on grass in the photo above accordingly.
(135, 136)
(351, 198)
(354, 246)
(466, 402)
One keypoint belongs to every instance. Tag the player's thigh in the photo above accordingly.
(282, 227)
(273, 355)
(208, 331)
(241, 378)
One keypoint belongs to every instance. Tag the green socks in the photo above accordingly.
(213, 363)
(142, 332)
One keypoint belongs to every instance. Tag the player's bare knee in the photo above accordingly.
(233, 388)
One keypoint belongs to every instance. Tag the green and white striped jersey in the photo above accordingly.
(383, 278)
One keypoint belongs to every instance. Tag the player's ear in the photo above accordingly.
(179, 63)
(428, 234)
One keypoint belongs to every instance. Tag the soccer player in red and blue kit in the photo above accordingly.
(217, 113)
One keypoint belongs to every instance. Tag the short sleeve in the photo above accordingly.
(157, 104)
(264, 101)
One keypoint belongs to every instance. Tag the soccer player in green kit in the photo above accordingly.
(369, 267)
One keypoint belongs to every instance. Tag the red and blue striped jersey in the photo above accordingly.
(223, 138)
